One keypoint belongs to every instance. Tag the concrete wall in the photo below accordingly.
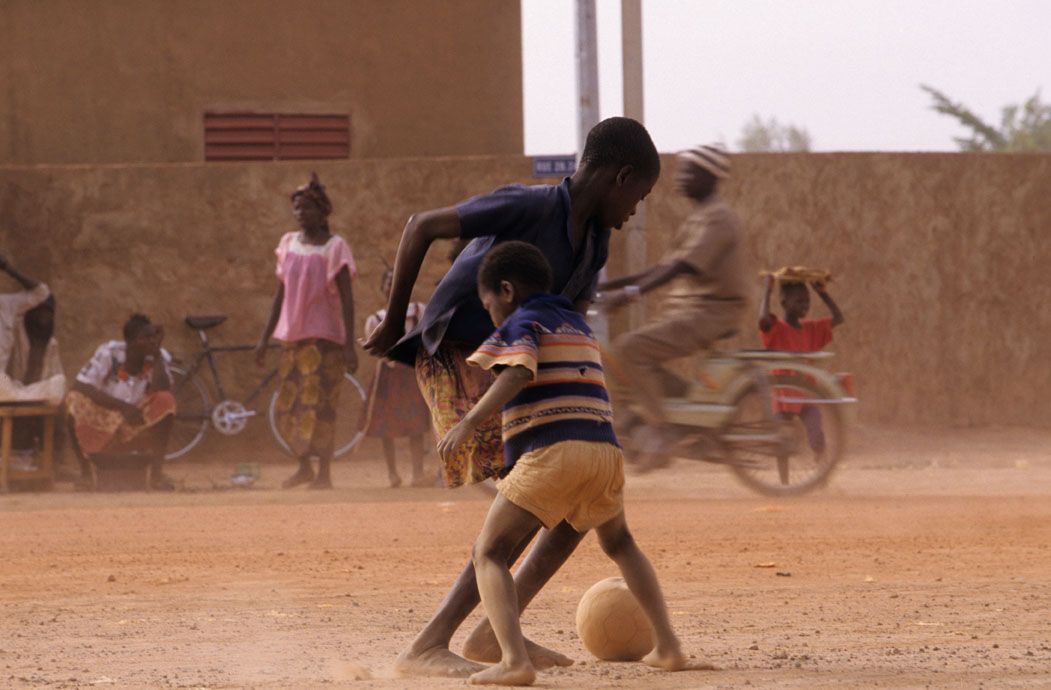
(941, 260)
(114, 81)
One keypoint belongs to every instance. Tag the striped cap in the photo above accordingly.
(711, 158)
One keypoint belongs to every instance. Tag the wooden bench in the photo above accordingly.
(46, 466)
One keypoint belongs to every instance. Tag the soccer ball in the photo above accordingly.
(611, 624)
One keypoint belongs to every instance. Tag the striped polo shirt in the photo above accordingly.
(567, 399)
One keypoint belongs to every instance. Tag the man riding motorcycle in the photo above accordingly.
(706, 303)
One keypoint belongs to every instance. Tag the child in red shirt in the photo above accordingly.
(797, 334)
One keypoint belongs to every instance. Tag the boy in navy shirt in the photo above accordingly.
(570, 224)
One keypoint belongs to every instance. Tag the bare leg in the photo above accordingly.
(429, 653)
(417, 452)
(156, 440)
(811, 418)
(506, 526)
(552, 549)
(86, 477)
(392, 468)
(323, 480)
(641, 579)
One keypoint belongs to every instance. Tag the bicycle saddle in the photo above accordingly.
(202, 323)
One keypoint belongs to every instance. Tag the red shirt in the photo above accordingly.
(811, 336)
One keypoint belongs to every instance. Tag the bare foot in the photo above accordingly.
(436, 661)
(675, 660)
(321, 482)
(302, 476)
(395, 479)
(503, 675)
(481, 645)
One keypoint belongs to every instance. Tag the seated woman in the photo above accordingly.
(121, 402)
(30, 368)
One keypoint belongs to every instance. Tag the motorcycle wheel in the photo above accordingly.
(796, 464)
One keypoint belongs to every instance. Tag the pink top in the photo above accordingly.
(312, 308)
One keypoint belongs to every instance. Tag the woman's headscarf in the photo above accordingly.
(315, 191)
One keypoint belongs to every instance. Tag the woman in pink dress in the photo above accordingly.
(313, 317)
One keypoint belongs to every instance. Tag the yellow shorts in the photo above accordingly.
(577, 481)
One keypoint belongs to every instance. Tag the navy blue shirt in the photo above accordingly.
(539, 215)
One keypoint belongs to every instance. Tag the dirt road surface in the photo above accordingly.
(925, 563)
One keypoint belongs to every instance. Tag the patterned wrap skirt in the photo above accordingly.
(310, 373)
(101, 429)
(451, 387)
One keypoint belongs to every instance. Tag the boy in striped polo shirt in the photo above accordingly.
(561, 458)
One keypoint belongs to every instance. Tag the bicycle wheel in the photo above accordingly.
(193, 410)
(349, 414)
(802, 458)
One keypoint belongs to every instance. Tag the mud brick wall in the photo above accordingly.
(940, 260)
(128, 81)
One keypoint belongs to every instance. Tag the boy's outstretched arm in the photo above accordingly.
(420, 233)
(766, 319)
(837, 315)
(506, 386)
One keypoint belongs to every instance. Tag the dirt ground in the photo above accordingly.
(925, 563)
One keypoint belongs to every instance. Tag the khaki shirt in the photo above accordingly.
(710, 242)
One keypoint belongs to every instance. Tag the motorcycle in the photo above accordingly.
(776, 419)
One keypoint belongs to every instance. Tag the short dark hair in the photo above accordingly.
(622, 141)
(134, 325)
(519, 263)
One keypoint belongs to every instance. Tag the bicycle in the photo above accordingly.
(195, 412)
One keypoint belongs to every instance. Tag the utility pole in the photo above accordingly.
(587, 104)
(631, 50)
(587, 71)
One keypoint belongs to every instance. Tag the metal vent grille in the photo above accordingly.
(265, 136)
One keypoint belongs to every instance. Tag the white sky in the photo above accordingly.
(846, 70)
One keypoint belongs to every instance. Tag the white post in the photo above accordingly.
(587, 71)
(631, 50)
(587, 104)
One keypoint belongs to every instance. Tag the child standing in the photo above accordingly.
(561, 460)
(798, 334)
(396, 409)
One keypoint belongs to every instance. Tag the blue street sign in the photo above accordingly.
(554, 166)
